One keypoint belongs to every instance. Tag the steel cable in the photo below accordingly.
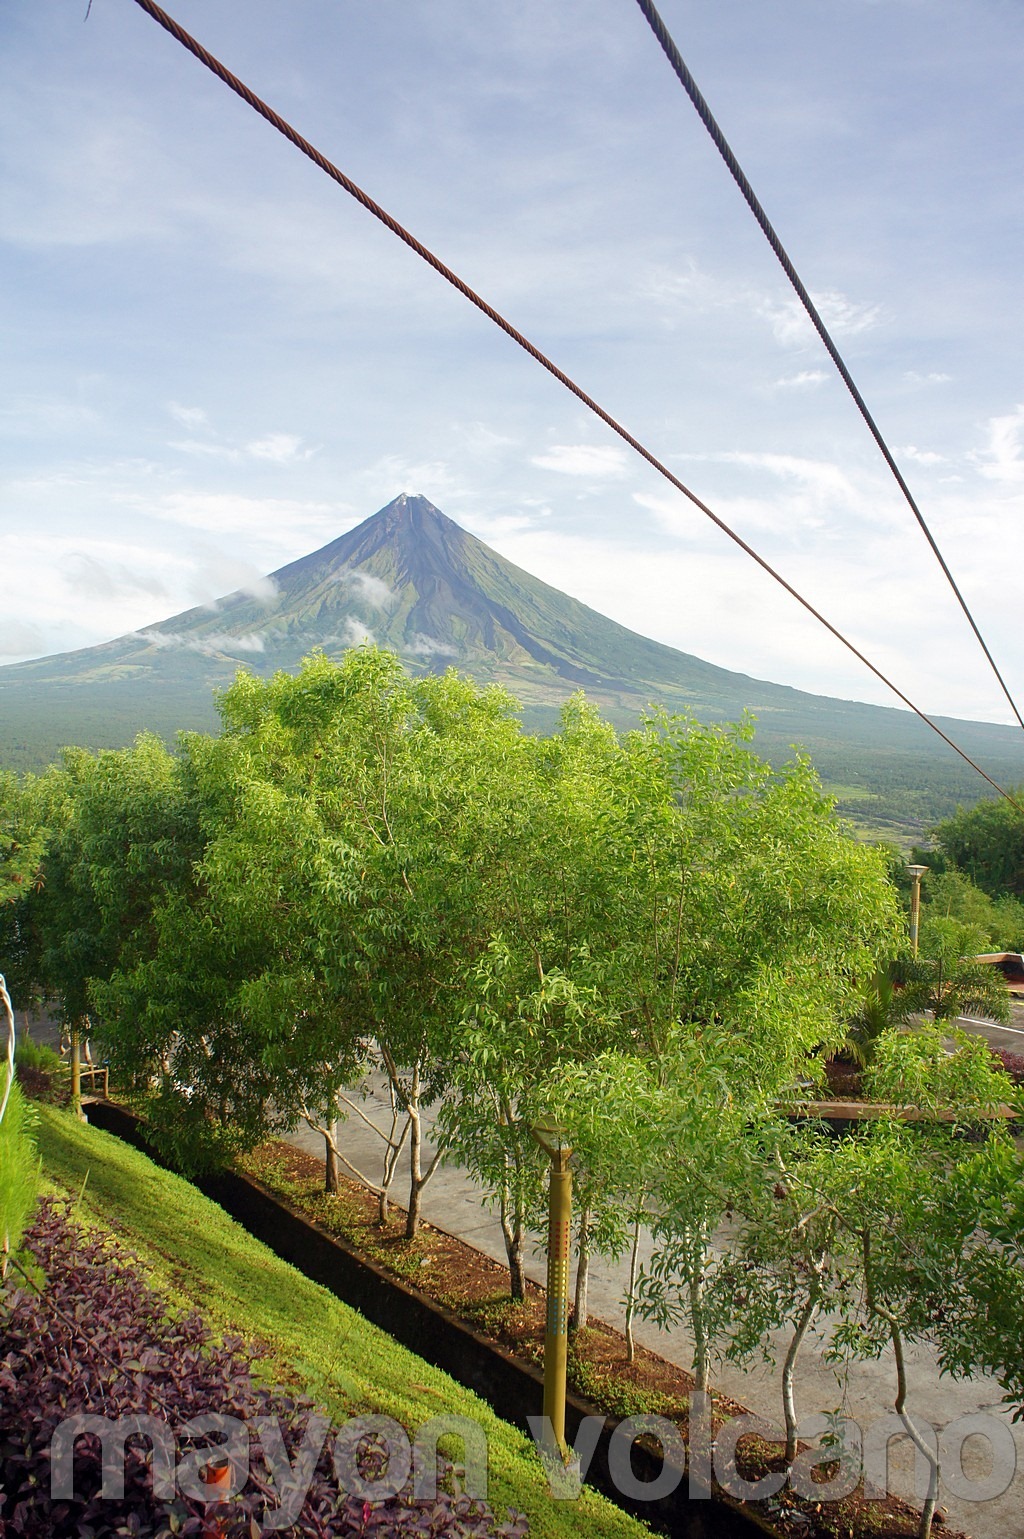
(706, 116)
(294, 137)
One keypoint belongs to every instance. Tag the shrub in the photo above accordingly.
(33, 1055)
(95, 1339)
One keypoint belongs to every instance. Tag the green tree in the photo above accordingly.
(22, 838)
(789, 1264)
(981, 1322)
(987, 843)
(117, 839)
(909, 1207)
(680, 902)
(331, 908)
(555, 986)
(19, 1167)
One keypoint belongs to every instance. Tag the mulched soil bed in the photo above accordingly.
(40, 1085)
(476, 1289)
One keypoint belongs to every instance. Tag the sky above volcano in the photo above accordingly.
(215, 361)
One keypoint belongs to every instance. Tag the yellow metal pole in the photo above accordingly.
(76, 1071)
(556, 1335)
(916, 872)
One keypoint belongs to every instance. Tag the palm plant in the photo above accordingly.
(885, 1003)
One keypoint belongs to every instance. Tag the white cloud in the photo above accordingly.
(426, 646)
(914, 378)
(807, 379)
(435, 479)
(356, 634)
(686, 286)
(920, 456)
(673, 513)
(272, 448)
(279, 449)
(258, 518)
(487, 528)
(96, 578)
(20, 638)
(35, 416)
(594, 461)
(214, 574)
(1003, 458)
(482, 440)
(210, 645)
(189, 416)
(817, 476)
(843, 317)
(212, 451)
(372, 589)
(257, 586)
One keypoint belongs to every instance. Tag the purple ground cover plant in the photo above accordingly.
(1013, 1063)
(81, 1332)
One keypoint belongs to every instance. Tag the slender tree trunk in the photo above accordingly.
(701, 1348)
(392, 1154)
(698, 1320)
(931, 1500)
(789, 1373)
(634, 1263)
(896, 1336)
(513, 1233)
(8, 1015)
(409, 1097)
(418, 1177)
(517, 1277)
(580, 1314)
(412, 1218)
(334, 1159)
(330, 1166)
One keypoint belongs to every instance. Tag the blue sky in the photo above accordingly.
(214, 361)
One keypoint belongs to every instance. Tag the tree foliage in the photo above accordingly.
(986, 842)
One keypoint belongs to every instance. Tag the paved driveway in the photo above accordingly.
(1010, 1037)
(453, 1202)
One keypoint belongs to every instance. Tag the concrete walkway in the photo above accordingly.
(452, 1202)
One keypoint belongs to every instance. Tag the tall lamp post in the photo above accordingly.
(551, 1137)
(916, 872)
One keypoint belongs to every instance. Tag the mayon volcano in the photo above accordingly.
(411, 580)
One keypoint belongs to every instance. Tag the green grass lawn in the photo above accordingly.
(194, 1254)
